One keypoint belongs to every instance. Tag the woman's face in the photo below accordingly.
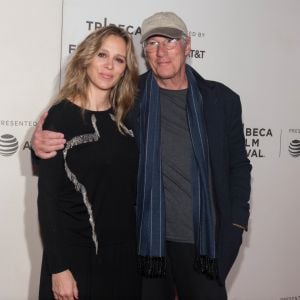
(108, 65)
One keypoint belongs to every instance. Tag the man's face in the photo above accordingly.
(167, 62)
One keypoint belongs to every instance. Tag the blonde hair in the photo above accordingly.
(76, 80)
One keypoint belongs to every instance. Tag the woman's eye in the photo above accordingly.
(101, 54)
(120, 60)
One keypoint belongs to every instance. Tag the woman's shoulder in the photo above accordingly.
(59, 116)
(61, 106)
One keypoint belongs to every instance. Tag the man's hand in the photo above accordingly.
(64, 286)
(45, 143)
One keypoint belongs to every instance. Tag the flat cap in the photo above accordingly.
(163, 23)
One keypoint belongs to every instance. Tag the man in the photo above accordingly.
(194, 175)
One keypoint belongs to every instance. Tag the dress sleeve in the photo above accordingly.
(51, 180)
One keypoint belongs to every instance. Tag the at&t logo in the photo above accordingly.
(8, 145)
(294, 148)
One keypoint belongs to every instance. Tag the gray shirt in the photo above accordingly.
(176, 153)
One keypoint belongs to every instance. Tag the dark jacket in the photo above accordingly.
(230, 166)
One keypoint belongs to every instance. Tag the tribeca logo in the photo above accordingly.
(294, 148)
(8, 145)
(131, 29)
(253, 140)
(93, 25)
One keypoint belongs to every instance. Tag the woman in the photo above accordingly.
(86, 192)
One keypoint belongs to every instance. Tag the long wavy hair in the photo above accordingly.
(76, 80)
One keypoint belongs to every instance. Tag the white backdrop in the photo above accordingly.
(251, 46)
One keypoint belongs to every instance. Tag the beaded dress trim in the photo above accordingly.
(75, 141)
(126, 130)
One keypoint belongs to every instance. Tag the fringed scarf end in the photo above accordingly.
(207, 266)
(152, 267)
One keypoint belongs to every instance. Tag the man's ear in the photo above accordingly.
(187, 46)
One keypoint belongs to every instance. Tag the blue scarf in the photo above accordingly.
(150, 194)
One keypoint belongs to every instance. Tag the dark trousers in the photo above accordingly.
(181, 276)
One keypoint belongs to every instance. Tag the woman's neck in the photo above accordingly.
(96, 101)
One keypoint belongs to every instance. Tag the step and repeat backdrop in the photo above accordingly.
(251, 46)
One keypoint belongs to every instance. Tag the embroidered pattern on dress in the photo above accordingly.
(75, 141)
(126, 130)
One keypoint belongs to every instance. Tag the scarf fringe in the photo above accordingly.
(152, 267)
(205, 265)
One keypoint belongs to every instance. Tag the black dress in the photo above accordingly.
(86, 200)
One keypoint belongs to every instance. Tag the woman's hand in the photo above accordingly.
(64, 286)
